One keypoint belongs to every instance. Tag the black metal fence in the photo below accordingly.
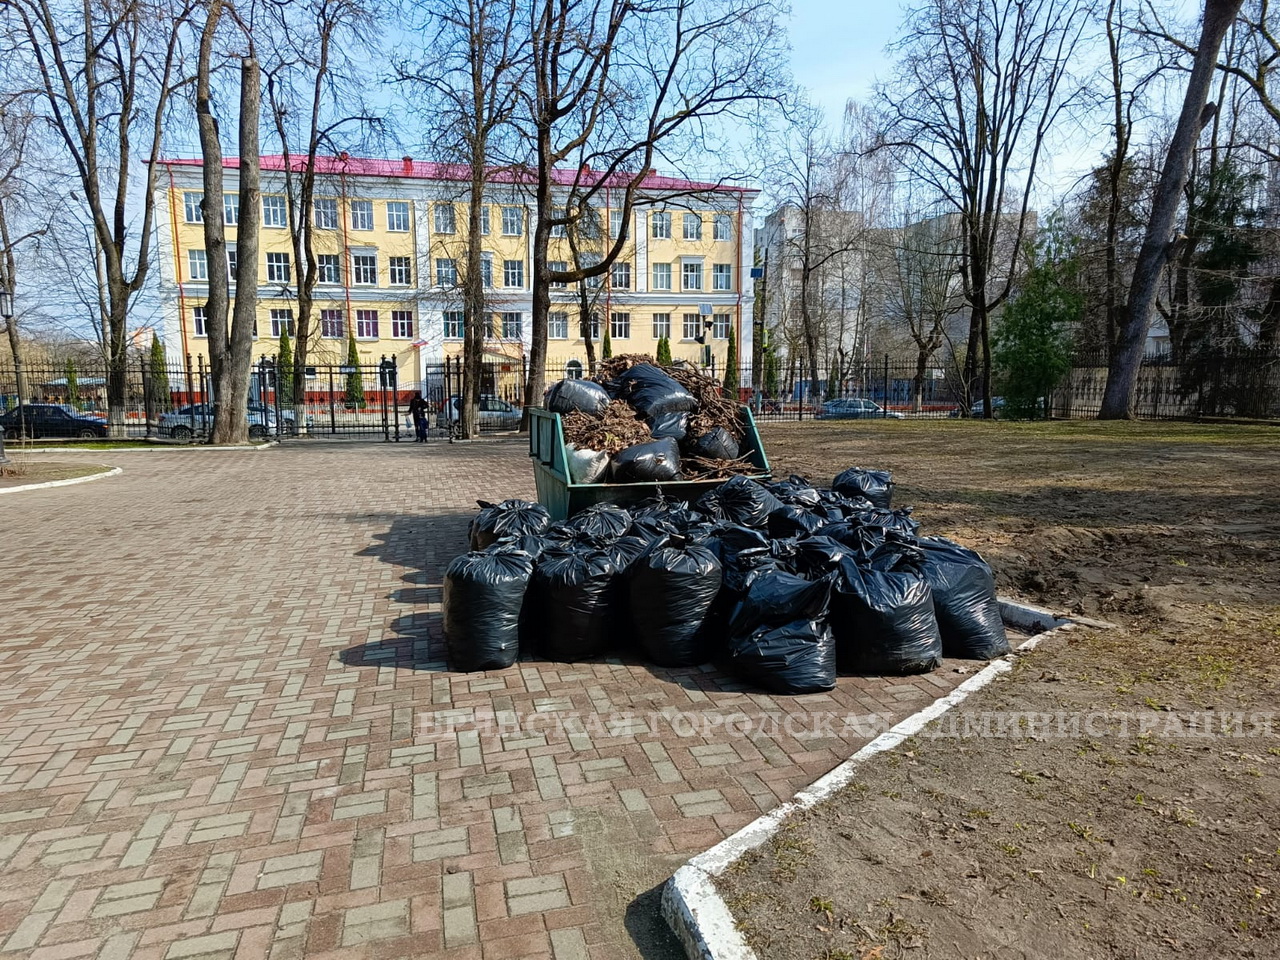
(173, 401)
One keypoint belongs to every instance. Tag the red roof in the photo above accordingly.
(344, 165)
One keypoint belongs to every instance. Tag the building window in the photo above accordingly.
(513, 273)
(573, 370)
(720, 326)
(402, 324)
(328, 268)
(486, 269)
(365, 268)
(367, 324)
(620, 275)
(398, 269)
(446, 272)
(454, 325)
(191, 207)
(274, 212)
(197, 265)
(662, 276)
(512, 326)
(615, 223)
(594, 325)
(560, 266)
(233, 262)
(512, 221)
(398, 217)
(692, 326)
(693, 226)
(559, 230)
(326, 213)
(723, 227)
(661, 325)
(484, 221)
(558, 326)
(198, 319)
(277, 268)
(231, 209)
(722, 276)
(281, 320)
(691, 275)
(620, 326)
(660, 225)
(361, 214)
(446, 218)
(332, 326)
(589, 224)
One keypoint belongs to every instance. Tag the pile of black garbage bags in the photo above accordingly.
(785, 583)
(663, 404)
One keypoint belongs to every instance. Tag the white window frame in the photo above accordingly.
(722, 276)
(329, 265)
(446, 272)
(561, 265)
(191, 210)
(721, 324)
(693, 220)
(233, 262)
(397, 213)
(620, 275)
(685, 265)
(280, 271)
(486, 270)
(362, 317)
(615, 224)
(620, 326)
(658, 282)
(445, 218)
(357, 269)
(402, 320)
(558, 325)
(361, 215)
(454, 320)
(690, 318)
(230, 209)
(513, 221)
(329, 316)
(197, 265)
(282, 314)
(484, 220)
(275, 211)
(660, 225)
(559, 231)
(661, 326)
(510, 269)
(509, 317)
(722, 228)
(200, 322)
(403, 266)
(324, 213)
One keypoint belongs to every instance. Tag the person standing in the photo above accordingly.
(418, 410)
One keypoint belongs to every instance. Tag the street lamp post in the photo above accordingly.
(6, 311)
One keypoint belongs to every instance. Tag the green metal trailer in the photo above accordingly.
(563, 498)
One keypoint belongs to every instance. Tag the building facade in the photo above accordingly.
(390, 240)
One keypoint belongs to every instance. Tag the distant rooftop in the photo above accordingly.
(345, 165)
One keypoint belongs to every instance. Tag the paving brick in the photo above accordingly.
(438, 844)
(378, 921)
(536, 894)
(296, 868)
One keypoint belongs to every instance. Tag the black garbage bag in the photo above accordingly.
(652, 462)
(531, 543)
(964, 599)
(897, 521)
(659, 516)
(626, 551)
(508, 518)
(575, 593)
(792, 520)
(483, 594)
(816, 557)
(874, 485)
(674, 425)
(884, 620)
(603, 520)
(672, 590)
(779, 635)
(796, 491)
(837, 505)
(577, 396)
(739, 500)
(862, 541)
(652, 393)
(716, 444)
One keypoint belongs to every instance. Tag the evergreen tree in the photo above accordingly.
(161, 400)
(353, 395)
(664, 351)
(770, 373)
(606, 346)
(73, 384)
(731, 366)
(284, 369)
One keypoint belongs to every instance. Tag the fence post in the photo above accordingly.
(275, 393)
(146, 395)
(884, 407)
(333, 414)
(192, 405)
(395, 396)
(382, 397)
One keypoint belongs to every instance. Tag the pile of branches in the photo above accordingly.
(714, 408)
(610, 370)
(616, 429)
(709, 468)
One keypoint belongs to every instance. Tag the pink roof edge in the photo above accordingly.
(420, 170)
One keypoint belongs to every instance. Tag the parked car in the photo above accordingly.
(40, 420)
(856, 408)
(495, 413)
(196, 419)
(979, 409)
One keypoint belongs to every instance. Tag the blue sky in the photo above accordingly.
(838, 48)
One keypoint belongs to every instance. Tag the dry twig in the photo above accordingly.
(616, 429)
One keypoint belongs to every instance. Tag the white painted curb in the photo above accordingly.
(153, 448)
(692, 906)
(63, 483)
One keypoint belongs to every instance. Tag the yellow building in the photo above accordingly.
(390, 240)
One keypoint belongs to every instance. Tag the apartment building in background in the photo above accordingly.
(390, 241)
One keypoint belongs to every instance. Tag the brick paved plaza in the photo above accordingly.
(227, 727)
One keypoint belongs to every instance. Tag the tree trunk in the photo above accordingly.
(474, 313)
(215, 242)
(1122, 377)
(230, 417)
(536, 382)
(917, 389)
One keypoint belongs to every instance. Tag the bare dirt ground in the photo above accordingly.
(22, 471)
(1076, 807)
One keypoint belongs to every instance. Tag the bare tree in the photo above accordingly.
(1158, 246)
(474, 75)
(978, 89)
(15, 188)
(614, 86)
(211, 204)
(105, 74)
